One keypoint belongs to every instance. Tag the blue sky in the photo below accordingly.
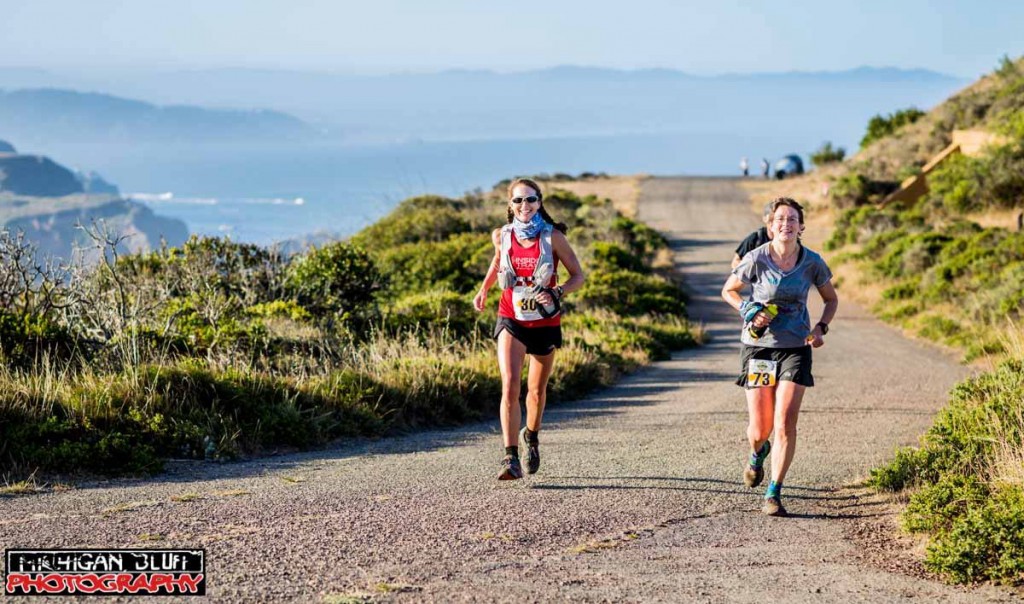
(964, 38)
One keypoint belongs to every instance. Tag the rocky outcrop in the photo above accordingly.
(36, 176)
(94, 183)
(48, 202)
(52, 224)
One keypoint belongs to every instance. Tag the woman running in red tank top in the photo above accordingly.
(528, 319)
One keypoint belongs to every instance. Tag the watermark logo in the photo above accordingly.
(150, 572)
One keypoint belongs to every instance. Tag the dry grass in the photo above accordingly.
(623, 191)
(21, 487)
(129, 507)
(232, 493)
(1008, 460)
(1005, 219)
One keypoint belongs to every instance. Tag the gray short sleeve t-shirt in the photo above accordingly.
(787, 289)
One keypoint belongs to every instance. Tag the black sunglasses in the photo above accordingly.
(530, 199)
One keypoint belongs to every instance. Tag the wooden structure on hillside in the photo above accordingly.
(969, 142)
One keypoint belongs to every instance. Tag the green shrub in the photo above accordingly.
(642, 241)
(337, 280)
(936, 507)
(955, 184)
(881, 126)
(939, 329)
(432, 391)
(458, 263)
(911, 466)
(432, 310)
(246, 271)
(418, 219)
(24, 339)
(612, 256)
(904, 290)
(279, 309)
(911, 254)
(628, 294)
(985, 542)
(827, 154)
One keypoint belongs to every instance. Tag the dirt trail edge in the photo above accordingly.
(639, 497)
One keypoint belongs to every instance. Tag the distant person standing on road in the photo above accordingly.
(777, 339)
(527, 252)
(745, 166)
(765, 168)
(756, 239)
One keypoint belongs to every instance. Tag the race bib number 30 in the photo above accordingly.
(761, 373)
(524, 304)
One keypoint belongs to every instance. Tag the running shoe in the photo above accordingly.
(511, 469)
(773, 507)
(754, 473)
(531, 452)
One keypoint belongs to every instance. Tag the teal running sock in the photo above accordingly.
(774, 490)
(757, 458)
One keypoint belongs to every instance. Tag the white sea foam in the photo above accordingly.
(151, 197)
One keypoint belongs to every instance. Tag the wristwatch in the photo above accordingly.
(824, 327)
(559, 291)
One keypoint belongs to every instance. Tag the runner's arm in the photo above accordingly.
(831, 300)
(480, 299)
(731, 294)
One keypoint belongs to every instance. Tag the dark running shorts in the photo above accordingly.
(539, 341)
(794, 363)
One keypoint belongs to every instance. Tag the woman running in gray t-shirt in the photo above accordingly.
(777, 339)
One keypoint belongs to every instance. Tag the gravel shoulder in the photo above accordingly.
(639, 497)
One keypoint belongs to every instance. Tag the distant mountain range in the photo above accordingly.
(46, 114)
(461, 104)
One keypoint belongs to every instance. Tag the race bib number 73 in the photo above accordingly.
(761, 373)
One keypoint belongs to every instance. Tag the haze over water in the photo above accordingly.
(264, 193)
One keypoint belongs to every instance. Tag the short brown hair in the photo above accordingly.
(788, 202)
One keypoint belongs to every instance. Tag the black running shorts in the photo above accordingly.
(540, 341)
(794, 363)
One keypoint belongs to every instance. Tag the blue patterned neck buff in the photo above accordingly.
(529, 230)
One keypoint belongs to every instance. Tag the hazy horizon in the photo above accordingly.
(954, 37)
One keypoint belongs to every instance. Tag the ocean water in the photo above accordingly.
(263, 193)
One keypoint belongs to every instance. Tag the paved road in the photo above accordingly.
(639, 499)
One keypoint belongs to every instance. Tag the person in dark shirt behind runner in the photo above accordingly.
(756, 239)
(777, 340)
(527, 252)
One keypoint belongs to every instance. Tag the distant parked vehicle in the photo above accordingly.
(789, 165)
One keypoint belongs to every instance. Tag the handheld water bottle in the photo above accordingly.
(750, 310)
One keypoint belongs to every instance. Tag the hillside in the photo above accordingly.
(51, 222)
(48, 115)
(47, 201)
(36, 175)
(994, 102)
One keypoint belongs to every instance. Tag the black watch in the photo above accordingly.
(559, 291)
(824, 327)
